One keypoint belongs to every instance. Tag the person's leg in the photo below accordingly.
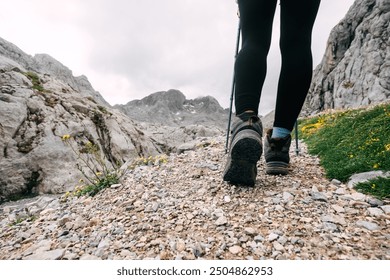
(297, 20)
(256, 17)
(250, 69)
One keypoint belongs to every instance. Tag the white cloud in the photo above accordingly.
(131, 48)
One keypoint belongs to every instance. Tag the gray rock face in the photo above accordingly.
(45, 64)
(355, 70)
(40, 101)
(12, 53)
(172, 108)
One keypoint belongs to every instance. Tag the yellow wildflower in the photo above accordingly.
(65, 137)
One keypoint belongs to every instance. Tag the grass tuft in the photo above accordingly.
(379, 187)
(37, 85)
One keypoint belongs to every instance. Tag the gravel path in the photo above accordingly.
(183, 210)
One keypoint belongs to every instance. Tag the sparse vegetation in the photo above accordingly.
(151, 160)
(37, 85)
(96, 171)
(97, 174)
(205, 144)
(20, 220)
(103, 110)
(348, 84)
(92, 189)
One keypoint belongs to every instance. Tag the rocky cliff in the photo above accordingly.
(40, 101)
(172, 108)
(355, 70)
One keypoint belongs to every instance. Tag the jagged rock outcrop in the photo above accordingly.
(45, 64)
(172, 108)
(355, 70)
(40, 101)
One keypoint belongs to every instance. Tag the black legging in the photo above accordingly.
(297, 19)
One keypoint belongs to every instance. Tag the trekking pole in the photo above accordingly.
(296, 139)
(233, 89)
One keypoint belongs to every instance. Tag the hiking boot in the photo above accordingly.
(276, 153)
(245, 150)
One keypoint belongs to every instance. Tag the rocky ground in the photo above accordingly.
(183, 210)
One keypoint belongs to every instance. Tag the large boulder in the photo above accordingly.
(355, 70)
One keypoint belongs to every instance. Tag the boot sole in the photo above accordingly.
(276, 168)
(246, 151)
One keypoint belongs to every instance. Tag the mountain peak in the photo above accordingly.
(172, 108)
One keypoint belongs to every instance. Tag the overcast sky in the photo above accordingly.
(129, 49)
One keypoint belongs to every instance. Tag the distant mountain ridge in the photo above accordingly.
(173, 109)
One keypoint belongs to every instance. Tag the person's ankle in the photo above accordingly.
(280, 132)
